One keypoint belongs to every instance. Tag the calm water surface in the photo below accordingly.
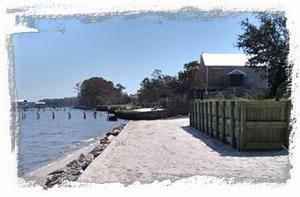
(44, 140)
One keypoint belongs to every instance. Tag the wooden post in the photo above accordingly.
(84, 115)
(288, 121)
(217, 119)
(193, 113)
(237, 119)
(223, 122)
(23, 115)
(210, 118)
(38, 116)
(232, 124)
(53, 115)
(205, 117)
(190, 113)
(196, 114)
(242, 129)
(69, 115)
(200, 116)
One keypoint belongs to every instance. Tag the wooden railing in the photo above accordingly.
(244, 124)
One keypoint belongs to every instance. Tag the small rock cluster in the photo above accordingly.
(74, 169)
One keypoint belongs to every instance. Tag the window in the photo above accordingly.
(236, 80)
(217, 76)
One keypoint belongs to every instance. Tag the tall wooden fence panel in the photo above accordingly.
(244, 124)
(264, 125)
(221, 116)
(215, 119)
(202, 119)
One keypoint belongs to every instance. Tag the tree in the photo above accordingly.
(77, 88)
(268, 46)
(191, 79)
(186, 85)
(120, 87)
(98, 91)
(157, 87)
(157, 74)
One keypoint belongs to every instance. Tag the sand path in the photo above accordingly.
(169, 149)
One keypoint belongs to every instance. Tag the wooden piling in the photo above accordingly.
(38, 116)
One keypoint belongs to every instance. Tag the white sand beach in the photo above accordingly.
(169, 149)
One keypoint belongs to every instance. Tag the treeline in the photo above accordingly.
(99, 91)
(61, 102)
(187, 84)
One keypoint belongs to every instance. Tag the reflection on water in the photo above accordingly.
(47, 135)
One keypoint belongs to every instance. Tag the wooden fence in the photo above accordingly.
(244, 124)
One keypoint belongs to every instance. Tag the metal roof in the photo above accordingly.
(224, 59)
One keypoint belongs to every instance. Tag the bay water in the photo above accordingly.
(47, 134)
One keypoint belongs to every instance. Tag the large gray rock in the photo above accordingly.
(97, 151)
(84, 161)
(105, 140)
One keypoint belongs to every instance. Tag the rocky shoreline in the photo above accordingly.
(74, 169)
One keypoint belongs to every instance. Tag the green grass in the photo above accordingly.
(124, 107)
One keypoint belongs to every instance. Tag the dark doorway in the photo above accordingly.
(236, 80)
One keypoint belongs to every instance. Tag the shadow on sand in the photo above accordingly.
(226, 149)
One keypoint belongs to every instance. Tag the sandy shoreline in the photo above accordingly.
(39, 175)
(171, 150)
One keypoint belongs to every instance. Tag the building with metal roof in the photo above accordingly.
(230, 71)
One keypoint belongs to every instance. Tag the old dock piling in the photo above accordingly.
(69, 115)
(23, 115)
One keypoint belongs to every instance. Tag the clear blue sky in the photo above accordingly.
(66, 51)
